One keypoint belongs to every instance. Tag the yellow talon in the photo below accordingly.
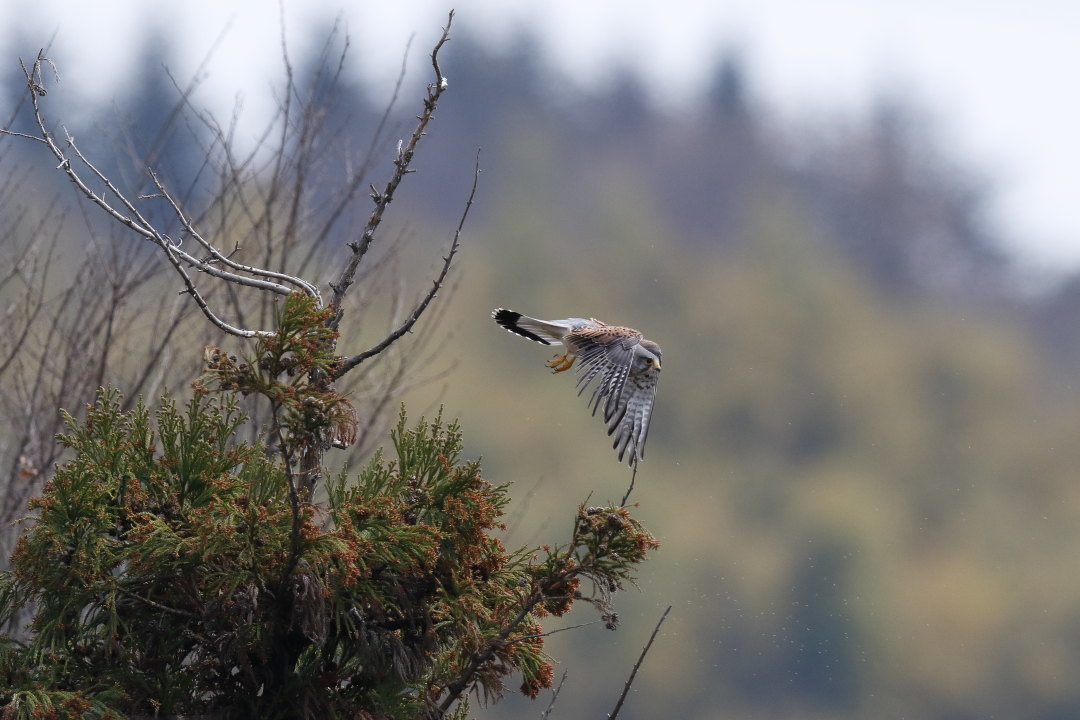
(561, 362)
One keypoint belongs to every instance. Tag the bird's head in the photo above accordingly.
(646, 357)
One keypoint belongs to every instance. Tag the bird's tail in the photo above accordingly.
(542, 331)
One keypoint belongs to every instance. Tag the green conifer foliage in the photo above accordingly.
(175, 571)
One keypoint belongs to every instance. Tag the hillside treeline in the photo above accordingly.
(863, 463)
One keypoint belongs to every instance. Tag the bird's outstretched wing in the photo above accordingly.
(608, 356)
(608, 352)
(629, 419)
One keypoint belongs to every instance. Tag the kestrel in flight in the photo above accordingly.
(625, 365)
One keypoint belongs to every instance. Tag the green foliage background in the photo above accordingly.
(863, 461)
(868, 504)
(171, 573)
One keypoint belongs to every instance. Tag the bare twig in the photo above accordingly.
(357, 177)
(401, 168)
(554, 697)
(216, 256)
(122, 210)
(637, 665)
(631, 488)
(551, 632)
(264, 202)
(536, 636)
(351, 362)
(155, 605)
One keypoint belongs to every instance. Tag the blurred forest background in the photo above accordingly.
(863, 466)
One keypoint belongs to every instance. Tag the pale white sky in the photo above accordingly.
(997, 77)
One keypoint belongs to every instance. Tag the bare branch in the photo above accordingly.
(631, 488)
(155, 358)
(216, 255)
(637, 666)
(401, 168)
(122, 210)
(351, 362)
(144, 227)
(33, 302)
(155, 605)
(554, 697)
(551, 632)
(357, 176)
(25, 136)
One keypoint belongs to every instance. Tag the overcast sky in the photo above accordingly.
(998, 78)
